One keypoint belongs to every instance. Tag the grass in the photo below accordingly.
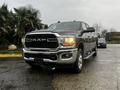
(10, 51)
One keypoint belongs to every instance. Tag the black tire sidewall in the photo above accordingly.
(76, 67)
(95, 54)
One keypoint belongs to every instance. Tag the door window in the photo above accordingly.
(84, 27)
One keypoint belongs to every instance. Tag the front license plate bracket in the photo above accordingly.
(38, 60)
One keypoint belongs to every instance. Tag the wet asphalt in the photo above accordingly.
(99, 73)
(15, 74)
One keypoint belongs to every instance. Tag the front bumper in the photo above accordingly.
(54, 57)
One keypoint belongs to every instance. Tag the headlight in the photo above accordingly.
(69, 41)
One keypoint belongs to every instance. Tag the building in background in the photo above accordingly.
(113, 37)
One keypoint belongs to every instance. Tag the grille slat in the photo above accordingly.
(41, 41)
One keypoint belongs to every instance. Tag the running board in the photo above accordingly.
(89, 55)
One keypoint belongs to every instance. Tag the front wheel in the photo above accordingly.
(79, 62)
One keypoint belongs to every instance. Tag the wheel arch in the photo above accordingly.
(81, 46)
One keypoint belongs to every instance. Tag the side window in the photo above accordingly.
(87, 25)
(84, 27)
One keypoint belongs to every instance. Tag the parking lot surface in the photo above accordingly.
(15, 74)
(100, 73)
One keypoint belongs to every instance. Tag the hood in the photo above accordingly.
(60, 32)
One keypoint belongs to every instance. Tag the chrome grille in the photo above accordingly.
(41, 41)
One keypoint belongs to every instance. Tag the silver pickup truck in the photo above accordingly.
(62, 44)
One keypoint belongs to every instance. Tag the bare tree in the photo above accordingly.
(97, 27)
(103, 33)
(112, 30)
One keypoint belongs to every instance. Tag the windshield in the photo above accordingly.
(65, 26)
(101, 40)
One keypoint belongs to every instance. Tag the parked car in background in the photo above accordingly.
(102, 43)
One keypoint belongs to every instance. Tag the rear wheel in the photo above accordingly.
(79, 62)
(95, 50)
(105, 46)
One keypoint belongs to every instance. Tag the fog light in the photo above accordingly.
(66, 55)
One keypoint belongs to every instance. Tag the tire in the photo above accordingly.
(105, 46)
(79, 62)
(95, 54)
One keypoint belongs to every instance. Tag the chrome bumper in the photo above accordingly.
(59, 59)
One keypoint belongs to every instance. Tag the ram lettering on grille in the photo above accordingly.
(41, 41)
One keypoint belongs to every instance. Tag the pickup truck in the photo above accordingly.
(62, 44)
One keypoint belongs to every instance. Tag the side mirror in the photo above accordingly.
(90, 29)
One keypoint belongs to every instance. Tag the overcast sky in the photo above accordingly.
(105, 12)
